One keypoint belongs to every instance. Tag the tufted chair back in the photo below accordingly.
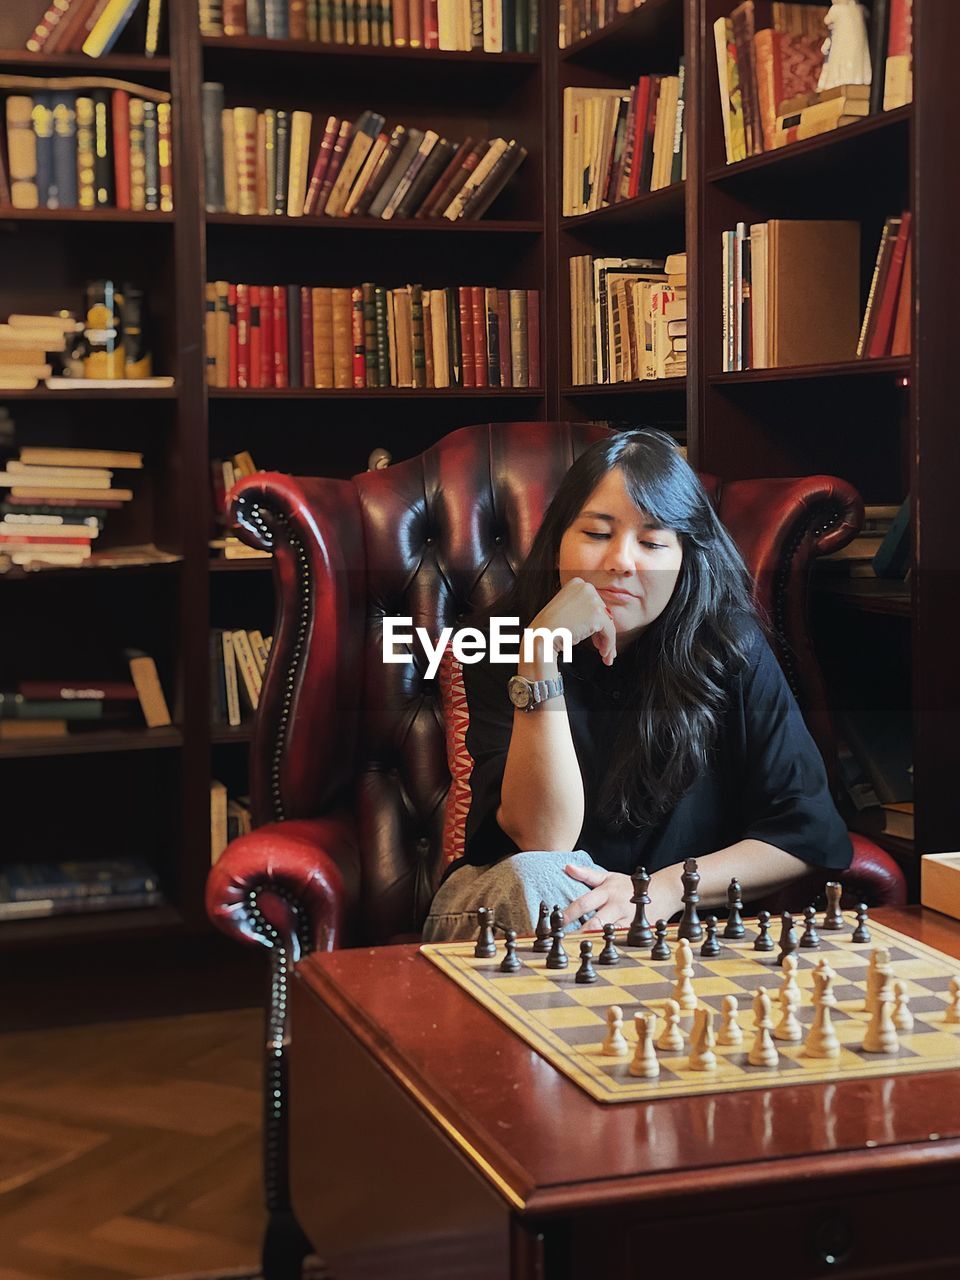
(433, 539)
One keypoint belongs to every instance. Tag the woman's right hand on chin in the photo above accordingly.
(578, 607)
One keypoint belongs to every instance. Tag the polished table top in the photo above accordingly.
(546, 1145)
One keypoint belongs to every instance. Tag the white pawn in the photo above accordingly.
(763, 1052)
(788, 1028)
(702, 1040)
(615, 1044)
(789, 982)
(671, 1037)
(881, 1034)
(645, 1062)
(683, 992)
(902, 1017)
(821, 1039)
(953, 1008)
(729, 1032)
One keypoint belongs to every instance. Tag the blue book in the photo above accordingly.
(42, 119)
(65, 149)
(118, 30)
(892, 558)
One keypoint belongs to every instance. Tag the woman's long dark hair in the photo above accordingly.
(677, 697)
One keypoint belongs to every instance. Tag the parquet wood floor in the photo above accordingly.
(131, 1149)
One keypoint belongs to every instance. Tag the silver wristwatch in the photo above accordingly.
(527, 695)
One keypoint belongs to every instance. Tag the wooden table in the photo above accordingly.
(427, 1140)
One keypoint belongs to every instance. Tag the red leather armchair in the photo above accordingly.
(348, 764)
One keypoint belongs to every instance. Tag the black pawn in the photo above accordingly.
(586, 972)
(486, 947)
(734, 926)
(788, 937)
(661, 948)
(861, 933)
(810, 937)
(640, 934)
(557, 959)
(763, 941)
(542, 939)
(609, 954)
(689, 926)
(711, 946)
(511, 961)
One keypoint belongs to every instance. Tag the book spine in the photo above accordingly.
(281, 370)
(102, 157)
(65, 149)
(298, 20)
(243, 336)
(383, 346)
(138, 156)
(294, 346)
(369, 309)
(418, 341)
(478, 321)
(233, 337)
(493, 337)
(165, 155)
(503, 329)
(342, 326)
(42, 120)
(358, 339)
(256, 345)
(267, 337)
(277, 22)
(43, 31)
(518, 338)
(120, 121)
(151, 154)
(282, 157)
(882, 330)
(533, 338)
(22, 152)
(234, 18)
(306, 335)
(344, 133)
(468, 370)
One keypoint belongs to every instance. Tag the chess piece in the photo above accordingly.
(953, 1008)
(810, 939)
(671, 1037)
(711, 945)
(683, 992)
(902, 1017)
(542, 936)
(486, 946)
(511, 961)
(730, 1032)
(861, 933)
(788, 937)
(586, 973)
(879, 973)
(846, 50)
(615, 1044)
(689, 926)
(789, 983)
(661, 948)
(788, 1028)
(702, 1040)
(821, 1041)
(881, 1034)
(556, 921)
(763, 941)
(734, 927)
(609, 954)
(833, 916)
(557, 959)
(763, 1052)
(640, 934)
(645, 1063)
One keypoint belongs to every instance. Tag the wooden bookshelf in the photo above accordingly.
(884, 425)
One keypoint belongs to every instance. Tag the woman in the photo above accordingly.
(670, 734)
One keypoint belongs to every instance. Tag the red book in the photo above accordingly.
(81, 504)
(281, 370)
(533, 338)
(441, 184)
(255, 336)
(340, 148)
(68, 690)
(358, 339)
(900, 345)
(401, 21)
(503, 327)
(120, 118)
(478, 313)
(886, 305)
(42, 540)
(266, 336)
(243, 336)
(636, 142)
(431, 26)
(45, 28)
(468, 368)
(645, 156)
(72, 31)
(232, 349)
(306, 335)
(320, 164)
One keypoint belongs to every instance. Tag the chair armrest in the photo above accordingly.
(873, 877)
(305, 731)
(300, 878)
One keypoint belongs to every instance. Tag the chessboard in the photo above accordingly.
(566, 1023)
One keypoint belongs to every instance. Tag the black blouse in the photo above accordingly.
(766, 780)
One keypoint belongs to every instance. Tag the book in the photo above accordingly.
(25, 881)
(813, 285)
(143, 672)
(892, 557)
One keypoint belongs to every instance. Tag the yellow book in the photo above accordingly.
(245, 158)
(115, 15)
(230, 189)
(300, 122)
(230, 678)
(250, 681)
(22, 152)
(218, 819)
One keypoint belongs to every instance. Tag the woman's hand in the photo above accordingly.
(578, 607)
(611, 894)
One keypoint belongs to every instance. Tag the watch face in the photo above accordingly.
(519, 691)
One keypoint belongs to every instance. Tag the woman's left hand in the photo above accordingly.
(609, 895)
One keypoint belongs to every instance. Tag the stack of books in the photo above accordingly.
(98, 148)
(54, 708)
(57, 502)
(238, 660)
(34, 889)
(494, 26)
(259, 162)
(580, 18)
(28, 344)
(368, 336)
(620, 143)
(882, 548)
(93, 26)
(229, 818)
(628, 319)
